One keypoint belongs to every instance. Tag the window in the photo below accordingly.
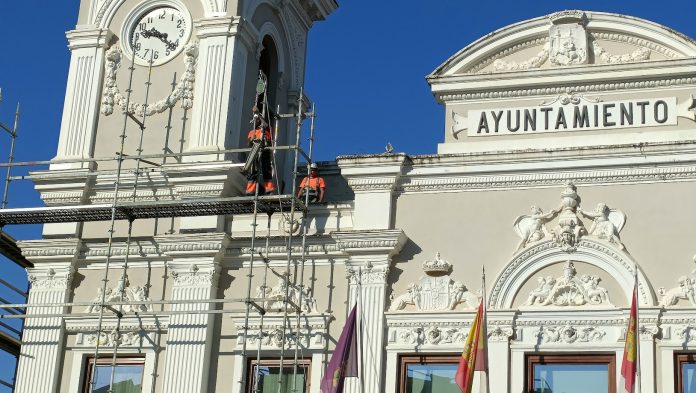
(428, 374)
(269, 376)
(571, 373)
(686, 372)
(128, 375)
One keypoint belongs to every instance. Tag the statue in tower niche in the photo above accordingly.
(569, 228)
(568, 38)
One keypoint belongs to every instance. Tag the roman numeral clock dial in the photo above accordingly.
(159, 35)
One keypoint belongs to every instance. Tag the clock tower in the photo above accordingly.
(187, 71)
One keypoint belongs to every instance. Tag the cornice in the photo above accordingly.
(193, 245)
(371, 173)
(387, 242)
(89, 37)
(46, 251)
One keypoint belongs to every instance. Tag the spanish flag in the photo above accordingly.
(474, 356)
(630, 359)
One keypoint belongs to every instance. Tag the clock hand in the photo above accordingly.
(161, 36)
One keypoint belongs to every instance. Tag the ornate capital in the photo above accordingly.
(368, 274)
(500, 333)
(194, 275)
(51, 278)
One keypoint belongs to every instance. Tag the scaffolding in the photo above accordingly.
(288, 205)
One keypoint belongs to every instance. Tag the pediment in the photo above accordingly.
(567, 39)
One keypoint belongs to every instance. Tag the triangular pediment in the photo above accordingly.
(568, 39)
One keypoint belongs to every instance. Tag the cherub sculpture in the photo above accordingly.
(606, 224)
(531, 228)
(539, 295)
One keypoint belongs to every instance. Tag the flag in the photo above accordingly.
(474, 356)
(344, 361)
(630, 358)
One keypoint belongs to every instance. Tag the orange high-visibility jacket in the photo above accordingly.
(255, 135)
(314, 183)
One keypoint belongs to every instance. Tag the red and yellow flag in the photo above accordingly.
(629, 363)
(474, 356)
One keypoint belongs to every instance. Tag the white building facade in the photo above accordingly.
(568, 162)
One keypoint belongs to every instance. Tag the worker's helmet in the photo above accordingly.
(314, 166)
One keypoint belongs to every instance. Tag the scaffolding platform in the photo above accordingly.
(152, 209)
(9, 248)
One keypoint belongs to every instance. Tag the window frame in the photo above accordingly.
(569, 358)
(125, 360)
(429, 358)
(679, 359)
(307, 363)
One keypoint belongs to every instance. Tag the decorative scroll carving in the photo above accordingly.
(569, 290)
(607, 223)
(436, 291)
(123, 292)
(499, 333)
(113, 339)
(569, 334)
(274, 297)
(640, 54)
(686, 333)
(432, 335)
(183, 91)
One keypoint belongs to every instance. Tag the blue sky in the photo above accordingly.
(365, 70)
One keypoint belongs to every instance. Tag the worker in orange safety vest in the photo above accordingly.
(259, 138)
(314, 185)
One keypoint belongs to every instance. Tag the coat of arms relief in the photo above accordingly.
(607, 223)
(436, 291)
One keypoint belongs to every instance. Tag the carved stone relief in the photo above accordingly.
(112, 339)
(570, 334)
(568, 290)
(568, 38)
(685, 290)
(432, 335)
(607, 223)
(183, 91)
(274, 297)
(123, 292)
(436, 291)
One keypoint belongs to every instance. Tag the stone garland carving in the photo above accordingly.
(534, 62)
(607, 223)
(193, 277)
(183, 91)
(436, 291)
(640, 54)
(274, 297)
(685, 290)
(569, 334)
(568, 290)
(123, 292)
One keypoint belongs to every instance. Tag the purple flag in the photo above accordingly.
(344, 361)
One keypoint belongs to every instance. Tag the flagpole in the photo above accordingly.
(635, 285)
(485, 324)
(361, 382)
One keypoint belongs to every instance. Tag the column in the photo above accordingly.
(220, 75)
(370, 254)
(189, 335)
(82, 97)
(500, 330)
(42, 343)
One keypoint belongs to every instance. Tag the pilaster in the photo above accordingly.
(370, 254)
(194, 273)
(374, 180)
(221, 70)
(81, 110)
(500, 331)
(648, 329)
(43, 344)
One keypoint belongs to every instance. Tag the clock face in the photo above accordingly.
(159, 35)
